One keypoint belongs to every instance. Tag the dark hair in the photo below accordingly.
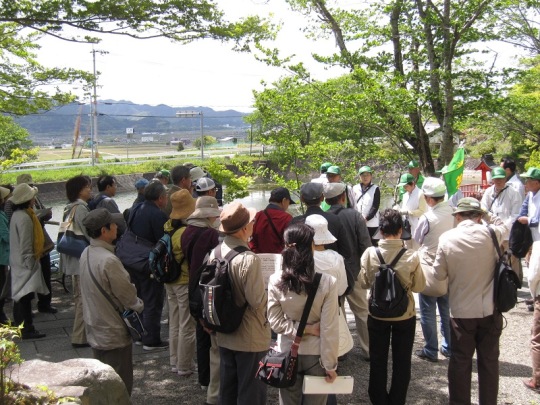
(104, 181)
(298, 264)
(508, 163)
(312, 203)
(96, 233)
(390, 222)
(21, 206)
(178, 173)
(202, 193)
(75, 185)
(154, 190)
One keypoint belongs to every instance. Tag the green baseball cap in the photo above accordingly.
(325, 166)
(333, 170)
(365, 169)
(532, 173)
(406, 178)
(468, 204)
(413, 164)
(498, 173)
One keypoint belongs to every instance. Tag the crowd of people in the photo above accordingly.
(444, 252)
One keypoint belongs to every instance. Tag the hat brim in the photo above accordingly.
(323, 238)
(205, 213)
(25, 199)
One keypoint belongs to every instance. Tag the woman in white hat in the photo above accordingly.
(26, 240)
(4, 249)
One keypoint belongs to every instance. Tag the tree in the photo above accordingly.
(15, 145)
(431, 44)
(208, 140)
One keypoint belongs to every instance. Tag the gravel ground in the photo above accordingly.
(155, 384)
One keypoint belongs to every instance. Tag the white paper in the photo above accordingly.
(270, 264)
(318, 385)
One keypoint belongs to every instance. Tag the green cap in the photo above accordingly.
(325, 166)
(333, 170)
(165, 173)
(406, 178)
(498, 173)
(413, 164)
(532, 173)
(365, 169)
(468, 204)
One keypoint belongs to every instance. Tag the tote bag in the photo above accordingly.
(71, 239)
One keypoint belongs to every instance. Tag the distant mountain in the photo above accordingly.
(115, 116)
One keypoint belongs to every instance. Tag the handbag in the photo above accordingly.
(506, 282)
(406, 230)
(130, 318)
(71, 240)
(280, 369)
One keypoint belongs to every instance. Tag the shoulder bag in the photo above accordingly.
(71, 239)
(506, 282)
(130, 318)
(280, 369)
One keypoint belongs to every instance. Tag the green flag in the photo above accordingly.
(453, 173)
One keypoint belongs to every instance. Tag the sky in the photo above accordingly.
(205, 73)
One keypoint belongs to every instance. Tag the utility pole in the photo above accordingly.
(95, 153)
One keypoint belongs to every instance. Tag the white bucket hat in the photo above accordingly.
(23, 193)
(320, 225)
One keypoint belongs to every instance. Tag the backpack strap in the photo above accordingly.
(231, 255)
(273, 226)
(494, 239)
(396, 259)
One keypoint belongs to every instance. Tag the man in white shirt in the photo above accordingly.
(530, 210)
(504, 201)
(509, 167)
(412, 206)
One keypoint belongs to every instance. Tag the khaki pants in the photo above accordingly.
(78, 335)
(358, 302)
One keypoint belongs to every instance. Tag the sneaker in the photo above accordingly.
(421, 354)
(174, 369)
(80, 345)
(185, 373)
(444, 353)
(204, 387)
(529, 383)
(138, 343)
(157, 346)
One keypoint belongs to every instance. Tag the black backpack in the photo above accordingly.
(520, 240)
(163, 265)
(505, 280)
(220, 313)
(388, 298)
(93, 203)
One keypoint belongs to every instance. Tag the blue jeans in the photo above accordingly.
(428, 321)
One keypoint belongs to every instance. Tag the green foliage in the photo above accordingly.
(180, 147)
(15, 144)
(208, 140)
(9, 354)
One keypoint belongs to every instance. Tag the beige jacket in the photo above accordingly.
(285, 311)
(253, 334)
(105, 330)
(407, 269)
(467, 257)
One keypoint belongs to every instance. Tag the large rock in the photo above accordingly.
(89, 380)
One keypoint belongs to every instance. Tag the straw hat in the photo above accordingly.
(206, 207)
(183, 204)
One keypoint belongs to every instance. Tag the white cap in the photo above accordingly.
(196, 173)
(320, 225)
(332, 190)
(433, 187)
(205, 184)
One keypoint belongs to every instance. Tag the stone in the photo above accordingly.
(89, 380)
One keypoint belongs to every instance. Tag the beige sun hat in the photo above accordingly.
(206, 207)
(183, 204)
(23, 193)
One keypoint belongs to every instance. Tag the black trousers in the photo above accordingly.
(468, 335)
(401, 335)
(152, 294)
(121, 360)
(44, 300)
(203, 355)
(22, 312)
(238, 385)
